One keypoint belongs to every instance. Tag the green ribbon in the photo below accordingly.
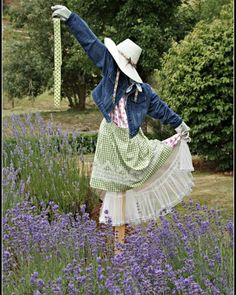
(57, 61)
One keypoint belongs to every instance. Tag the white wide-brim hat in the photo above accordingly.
(126, 54)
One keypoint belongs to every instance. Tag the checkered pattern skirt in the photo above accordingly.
(154, 175)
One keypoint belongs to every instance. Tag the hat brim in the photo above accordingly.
(121, 61)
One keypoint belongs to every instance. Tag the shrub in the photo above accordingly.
(158, 130)
(196, 80)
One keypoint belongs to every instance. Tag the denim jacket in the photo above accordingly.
(147, 102)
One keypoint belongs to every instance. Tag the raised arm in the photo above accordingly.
(94, 48)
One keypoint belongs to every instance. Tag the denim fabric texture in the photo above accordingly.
(147, 103)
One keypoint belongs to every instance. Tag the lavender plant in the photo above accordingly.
(189, 253)
(43, 165)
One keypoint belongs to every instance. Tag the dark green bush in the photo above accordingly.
(196, 80)
(158, 130)
(85, 143)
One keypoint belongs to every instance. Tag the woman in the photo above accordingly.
(141, 177)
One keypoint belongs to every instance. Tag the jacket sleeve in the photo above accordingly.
(158, 109)
(94, 48)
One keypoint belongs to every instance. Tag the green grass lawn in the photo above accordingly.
(68, 119)
(214, 190)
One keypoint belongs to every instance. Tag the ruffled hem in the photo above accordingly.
(164, 190)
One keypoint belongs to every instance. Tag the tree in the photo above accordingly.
(147, 23)
(79, 75)
(190, 12)
(24, 73)
(196, 80)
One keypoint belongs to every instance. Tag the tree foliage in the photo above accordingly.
(29, 79)
(147, 23)
(78, 72)
(196, 80)
(190, 12)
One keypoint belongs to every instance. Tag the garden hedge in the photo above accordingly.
(196, 80)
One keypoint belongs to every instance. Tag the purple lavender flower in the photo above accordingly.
(34, 277)
(40, 283)
(156, 258)
(230, 228)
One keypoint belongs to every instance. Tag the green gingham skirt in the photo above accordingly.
(122, 163)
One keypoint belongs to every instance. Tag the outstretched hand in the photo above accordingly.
(61, 12)
(183, 129)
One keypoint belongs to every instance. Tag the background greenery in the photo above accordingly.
(196, 79)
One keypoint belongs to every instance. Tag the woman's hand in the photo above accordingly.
(183, 130)
(61, 12)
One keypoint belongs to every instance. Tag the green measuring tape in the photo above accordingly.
(57, 61)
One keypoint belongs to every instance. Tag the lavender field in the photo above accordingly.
(52, 245)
